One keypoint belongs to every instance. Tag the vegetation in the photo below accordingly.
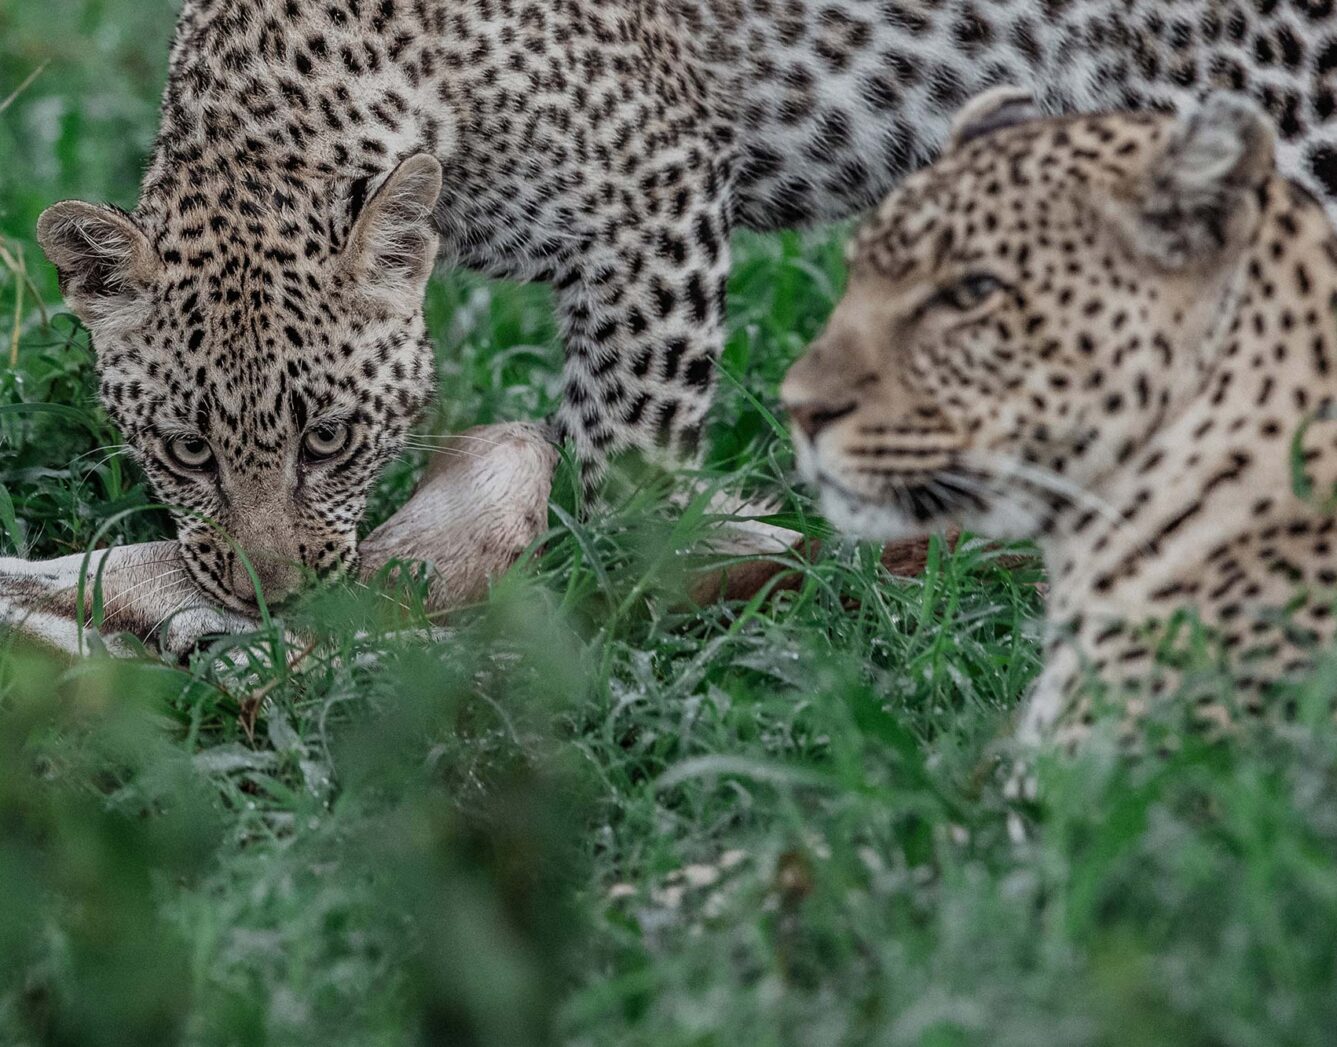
(588, 814)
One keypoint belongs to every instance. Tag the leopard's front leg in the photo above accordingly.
(642, 310)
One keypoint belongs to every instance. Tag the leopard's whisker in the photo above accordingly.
(1005, 467)
(1010, 468)
(414, 441)
(454, 451)
(445, 439)
(176, 609)
(127, 597)
(112, 449)
(372, 589)
(119, 596)
(153, 563)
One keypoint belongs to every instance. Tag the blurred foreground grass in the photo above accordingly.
(587, 815)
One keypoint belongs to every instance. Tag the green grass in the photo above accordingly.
(588, 815)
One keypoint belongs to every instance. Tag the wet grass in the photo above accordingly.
(589, 814)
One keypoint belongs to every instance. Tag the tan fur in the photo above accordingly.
(1105, 333)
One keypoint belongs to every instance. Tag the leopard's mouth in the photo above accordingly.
(222, 595)
(210, 586)
(343, 564)
(894, 506)
(903, 506)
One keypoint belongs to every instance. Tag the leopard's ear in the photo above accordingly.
(105, 261)
(1198, 200)
(393, 245)
(991, 111)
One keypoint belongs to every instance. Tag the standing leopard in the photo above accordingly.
(258, 317)
(1116, 335)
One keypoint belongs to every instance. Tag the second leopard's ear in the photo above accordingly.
(393, 245)
(1198, 202)
(991, 111)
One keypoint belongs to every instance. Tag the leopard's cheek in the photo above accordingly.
(332, 504)
(338, 554)
(185, 497)
(384, 441)
(204, 555)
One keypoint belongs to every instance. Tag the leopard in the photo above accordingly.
(257, 318)
(1114, 335)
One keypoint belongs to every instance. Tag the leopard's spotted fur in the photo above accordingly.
(1117, 335)
(268, 283)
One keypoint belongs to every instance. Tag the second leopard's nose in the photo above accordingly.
(813, 417)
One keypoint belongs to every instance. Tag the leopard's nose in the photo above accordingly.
(814, 416)
(278, 578)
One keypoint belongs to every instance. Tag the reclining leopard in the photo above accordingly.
(258, 317)
(1117, 335)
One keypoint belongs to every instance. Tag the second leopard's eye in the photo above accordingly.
(326, 440)
(191, 452)
(970, 291)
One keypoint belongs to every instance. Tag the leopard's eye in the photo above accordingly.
(191, 452)
(326, 440)
(970, 291)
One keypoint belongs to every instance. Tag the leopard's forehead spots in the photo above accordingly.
(250, 341)
(1016, 181)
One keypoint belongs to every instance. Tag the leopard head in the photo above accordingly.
(263, 350)
(1023, 315)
